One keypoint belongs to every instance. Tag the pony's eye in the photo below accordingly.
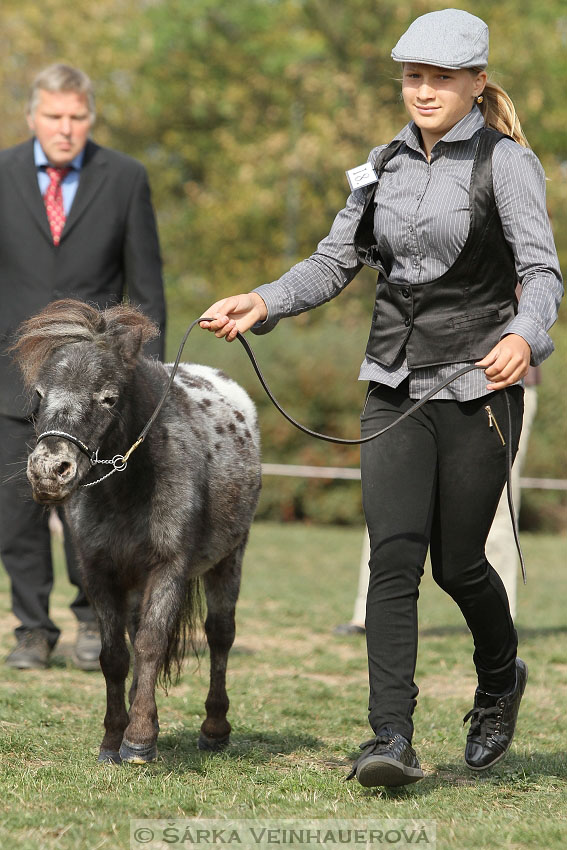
(39, 392)
(107, 396)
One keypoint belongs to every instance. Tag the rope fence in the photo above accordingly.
(353, 474)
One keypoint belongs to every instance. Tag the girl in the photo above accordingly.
(451, 214)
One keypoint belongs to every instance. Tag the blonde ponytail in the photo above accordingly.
(499, 112)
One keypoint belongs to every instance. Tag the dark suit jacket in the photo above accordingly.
(109, 248)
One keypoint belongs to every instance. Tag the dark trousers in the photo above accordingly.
(433, 481)
(25, 542)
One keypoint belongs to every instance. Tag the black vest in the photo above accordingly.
(461, 315)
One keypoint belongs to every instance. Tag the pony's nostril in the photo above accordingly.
(64, 470)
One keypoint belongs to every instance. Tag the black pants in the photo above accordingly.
(25, 543)
(433, 481)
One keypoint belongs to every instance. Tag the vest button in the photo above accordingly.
(406, 293)
(407, 323)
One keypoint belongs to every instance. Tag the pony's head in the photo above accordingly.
(79, 361)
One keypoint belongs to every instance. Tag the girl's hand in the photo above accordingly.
(507, 362)
(234, 314)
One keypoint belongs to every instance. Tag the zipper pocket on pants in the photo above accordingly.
(492, 423)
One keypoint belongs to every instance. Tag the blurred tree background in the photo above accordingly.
(247, 115)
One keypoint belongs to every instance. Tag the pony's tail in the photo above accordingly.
(187, 634)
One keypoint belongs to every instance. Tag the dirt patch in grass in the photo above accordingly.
(253, 637)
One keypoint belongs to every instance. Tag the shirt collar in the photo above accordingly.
(462, 130)
(41, 160)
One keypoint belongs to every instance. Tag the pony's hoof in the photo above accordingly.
(137, 753)
(109, 757)
(214, 745)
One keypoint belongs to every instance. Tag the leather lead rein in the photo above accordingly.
(120, 462)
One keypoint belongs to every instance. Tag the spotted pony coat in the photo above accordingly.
(146, 537)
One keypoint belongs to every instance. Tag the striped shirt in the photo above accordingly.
(421, 223)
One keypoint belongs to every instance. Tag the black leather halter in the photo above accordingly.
(92, 456)
(118, 462)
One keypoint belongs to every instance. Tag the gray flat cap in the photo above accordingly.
(450, 39)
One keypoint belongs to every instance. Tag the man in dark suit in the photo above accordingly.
(76, 221)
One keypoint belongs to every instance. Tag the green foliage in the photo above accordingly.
(247, 115)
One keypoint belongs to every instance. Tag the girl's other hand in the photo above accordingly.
(507, 362)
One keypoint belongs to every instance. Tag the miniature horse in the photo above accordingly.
(181, 509)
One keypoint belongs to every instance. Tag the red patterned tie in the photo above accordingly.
(53, 199)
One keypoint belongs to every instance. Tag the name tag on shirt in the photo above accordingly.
(361, 176)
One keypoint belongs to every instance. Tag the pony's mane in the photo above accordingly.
(67, 321)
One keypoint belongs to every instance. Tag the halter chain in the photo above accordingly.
(118, 462)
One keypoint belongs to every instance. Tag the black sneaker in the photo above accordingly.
(493, 721)
(32, 651)
(87, 647)
(388, 759)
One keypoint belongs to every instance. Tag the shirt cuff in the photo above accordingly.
(276, 309)
(537, 338)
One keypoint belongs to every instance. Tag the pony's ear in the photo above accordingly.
(127, 330)
(129, 343)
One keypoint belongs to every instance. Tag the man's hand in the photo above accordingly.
(507, 362)
(234, 314)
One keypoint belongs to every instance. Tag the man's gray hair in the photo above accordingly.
(58, 78)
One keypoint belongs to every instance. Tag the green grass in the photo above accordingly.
(298, 710)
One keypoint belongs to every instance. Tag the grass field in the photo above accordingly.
(298, 710)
